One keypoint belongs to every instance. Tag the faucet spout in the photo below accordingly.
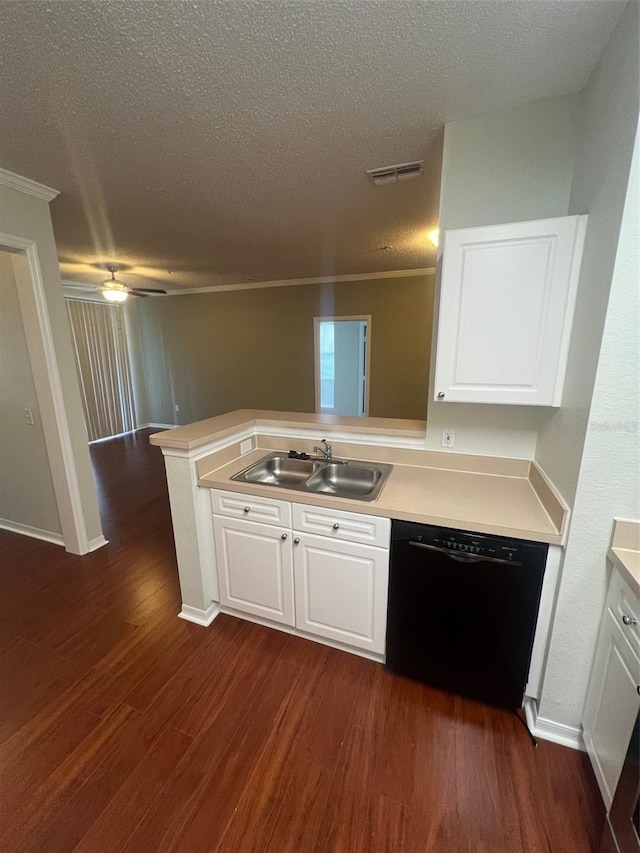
(326, 450)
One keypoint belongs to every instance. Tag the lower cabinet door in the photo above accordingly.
(612, 705)
(341, 590)
(255, 568)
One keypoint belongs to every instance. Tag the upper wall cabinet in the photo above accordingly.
(507, 298)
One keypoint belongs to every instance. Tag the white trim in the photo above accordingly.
(382, 440)
(157, 426)
(200, 617)
(293, 282)
(97, 542)
(33, 532)
(26, 185)
(545, 729)
(115, 435)
(44, 365)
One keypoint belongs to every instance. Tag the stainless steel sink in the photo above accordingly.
(342, 478)
(358, 480)
(277, 470)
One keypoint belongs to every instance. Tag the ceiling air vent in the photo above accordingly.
(392, 174)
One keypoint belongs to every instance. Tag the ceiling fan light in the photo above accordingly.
(115, 295)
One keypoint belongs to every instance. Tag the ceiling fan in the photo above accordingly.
(115, 291)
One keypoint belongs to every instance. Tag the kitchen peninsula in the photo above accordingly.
(486, 495)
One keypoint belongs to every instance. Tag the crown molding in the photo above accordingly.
(293, 282)
(286, 282)
(26, 185)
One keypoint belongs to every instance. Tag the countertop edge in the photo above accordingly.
(201, 433)
(624, 552)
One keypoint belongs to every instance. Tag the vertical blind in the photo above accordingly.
(103, 367)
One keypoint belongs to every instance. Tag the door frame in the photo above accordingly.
(316, 356)
(48, 385)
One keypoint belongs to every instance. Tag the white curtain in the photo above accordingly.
(103, 367)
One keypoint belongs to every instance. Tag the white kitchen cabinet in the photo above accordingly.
(328, 578)
(506, 306)
(255, 568)
(341, 590)
(612, 698)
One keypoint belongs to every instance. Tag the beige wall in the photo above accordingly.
(27, 496)
(215, 352)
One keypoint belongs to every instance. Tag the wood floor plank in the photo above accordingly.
(40, 678)
(433, 821)
(265, 790)
(120, 818)
(395, 768)
(24, 767)
(203, 795)
(298, 824)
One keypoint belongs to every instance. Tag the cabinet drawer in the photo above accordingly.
(254, 508)
(349, 526)
(624, 607)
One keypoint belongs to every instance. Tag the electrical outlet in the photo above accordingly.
(245, 446)
(28, 416)
(177, 407)
(448, 437)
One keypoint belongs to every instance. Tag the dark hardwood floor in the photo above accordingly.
(123, 727)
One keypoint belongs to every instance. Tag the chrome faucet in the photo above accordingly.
(326, 451)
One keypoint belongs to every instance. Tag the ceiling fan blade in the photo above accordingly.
(137, 293)
(145, 290)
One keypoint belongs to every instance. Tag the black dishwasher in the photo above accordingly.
(463, 610)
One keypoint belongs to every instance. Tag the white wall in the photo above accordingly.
(608, 484)
(509, 166)
(29, 218)
(601, 172)
(24, 464)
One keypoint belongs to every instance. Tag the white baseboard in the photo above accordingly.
(200, 617)
(545, 729)
(98, 542)
(33, 532)
(157, 426)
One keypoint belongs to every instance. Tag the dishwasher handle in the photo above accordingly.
(464, 558)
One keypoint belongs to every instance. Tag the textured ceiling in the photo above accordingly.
(228, 140)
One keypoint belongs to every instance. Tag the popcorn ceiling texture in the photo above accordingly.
(222, 140)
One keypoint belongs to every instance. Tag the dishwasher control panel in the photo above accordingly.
(471, 544)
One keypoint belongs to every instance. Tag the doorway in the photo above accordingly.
(342, 365)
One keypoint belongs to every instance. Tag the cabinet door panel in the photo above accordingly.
(255, 568)
(612, 705)
(506, 308)
(341, 591)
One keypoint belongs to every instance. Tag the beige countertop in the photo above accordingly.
(504, 504)
(624, 552)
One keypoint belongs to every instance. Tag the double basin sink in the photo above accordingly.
(360, 481)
